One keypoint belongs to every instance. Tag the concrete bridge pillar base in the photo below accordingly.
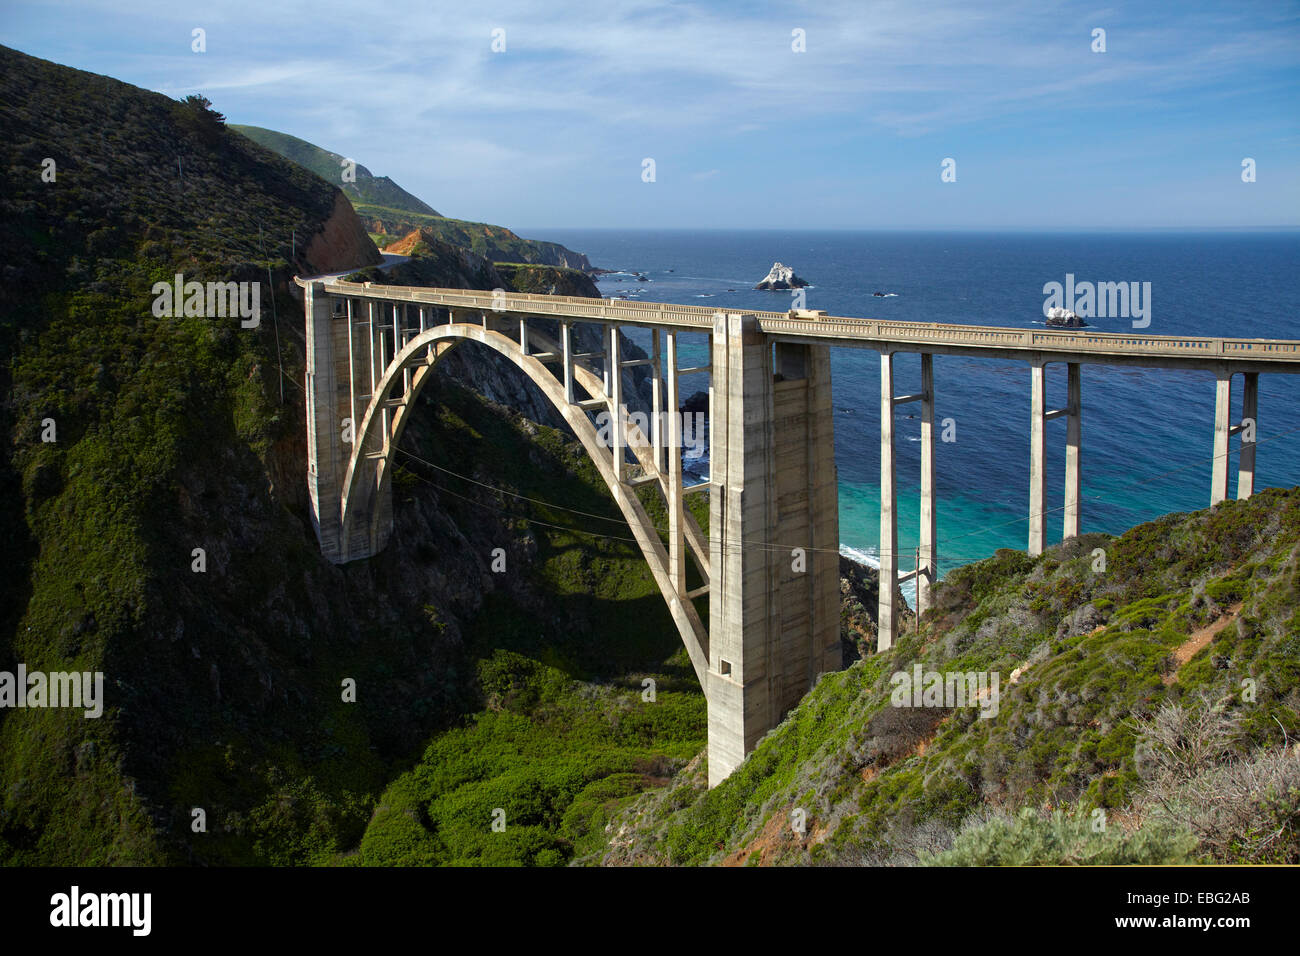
(773, 535)
(327, 455)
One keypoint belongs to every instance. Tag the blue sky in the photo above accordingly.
(746, 132)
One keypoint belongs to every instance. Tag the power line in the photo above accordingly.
(544, 524)
(270, 283)
(536, 501)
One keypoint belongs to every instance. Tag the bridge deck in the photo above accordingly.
(1273, 355)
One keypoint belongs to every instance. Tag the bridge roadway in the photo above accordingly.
(1073, 345)
(769, 567)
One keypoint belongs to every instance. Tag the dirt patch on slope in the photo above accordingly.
(1189, 648)
(777, 834)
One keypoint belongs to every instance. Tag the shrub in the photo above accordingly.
(1245, 811)
(1035, 839)
(1179, 742)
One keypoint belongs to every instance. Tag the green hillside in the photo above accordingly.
(566, 732)
(1149, 721)
(368, 188)
(222, 684)
(495, 243)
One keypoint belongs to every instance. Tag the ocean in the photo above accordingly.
(1147, 434)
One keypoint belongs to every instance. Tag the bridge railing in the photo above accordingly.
(841, 329)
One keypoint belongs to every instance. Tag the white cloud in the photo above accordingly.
(414, 90)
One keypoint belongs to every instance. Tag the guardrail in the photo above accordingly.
(834, 328)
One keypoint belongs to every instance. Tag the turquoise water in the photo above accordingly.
(1147, 434)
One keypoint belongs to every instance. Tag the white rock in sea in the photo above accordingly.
(1064, 317)
(781, 277)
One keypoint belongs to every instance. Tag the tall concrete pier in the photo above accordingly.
(769, 565)
(773, 535)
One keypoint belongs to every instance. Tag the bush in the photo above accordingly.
(1179, 742)
(1035, 839)
(1240, 810)
(1245, 811)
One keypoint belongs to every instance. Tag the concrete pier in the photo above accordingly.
(1073, 439)
(1249, 413)
(773, 612)
(1224, 430)
(927, 553)
(887, 613)
(926, 556)
(1039, 416)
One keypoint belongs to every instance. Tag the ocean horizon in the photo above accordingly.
(1147, 433)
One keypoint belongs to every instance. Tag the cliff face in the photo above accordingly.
(341, 242)
(160, 535)
(494, 243)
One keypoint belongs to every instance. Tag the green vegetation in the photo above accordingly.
(494, 243)
(546, 280)
(556, 756)
(158, 422)
(224, 687)
(1095, 655)
(1059, 839)
(565, 734)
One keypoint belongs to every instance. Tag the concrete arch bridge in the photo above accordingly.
(773, 614)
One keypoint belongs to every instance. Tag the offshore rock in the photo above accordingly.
(1064, 318)
(781, 277)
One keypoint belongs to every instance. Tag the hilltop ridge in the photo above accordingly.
(329, 166)
(391, 213)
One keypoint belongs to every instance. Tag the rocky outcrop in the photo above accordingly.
(341, 243)
(781, 277)
(697, 402)
(859, 606)
(547, 280)
(407, 245)
(494, 243)
(1064, 318)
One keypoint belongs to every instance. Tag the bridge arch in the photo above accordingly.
(365, 502)
(773, 613)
